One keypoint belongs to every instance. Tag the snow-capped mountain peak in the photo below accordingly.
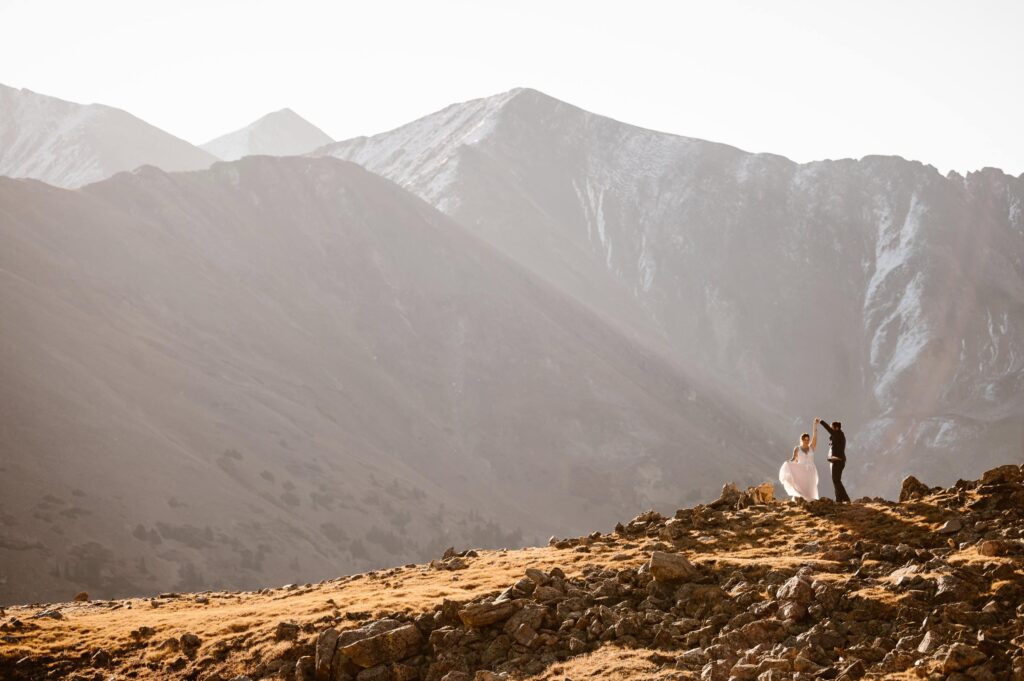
(847, 287)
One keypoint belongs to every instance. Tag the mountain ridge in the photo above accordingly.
(695, 244)
(69, 144)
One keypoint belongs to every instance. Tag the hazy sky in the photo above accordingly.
(936, 81)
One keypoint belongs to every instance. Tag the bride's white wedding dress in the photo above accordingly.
(800, 477)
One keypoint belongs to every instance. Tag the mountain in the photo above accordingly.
(876, 292)
(281, 368)
(281, 133)
(70, 145)
(727, 590)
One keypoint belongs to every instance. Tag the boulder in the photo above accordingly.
(670, 567)
(390, 646)
(531, 615)
(852, 671)
(286, 631)
(484, 614)
(728, 498)
(912, 488)
(190, 642)
(372, 629)
(950, 589)
(536, 576)
(960, 657)
(304, 670)
(325, 644)
(546, 594)
(1003, 475)
(763, 632)
(951, 526)
(757, 496)
(929, 643)
(991, 548)
(796, 590)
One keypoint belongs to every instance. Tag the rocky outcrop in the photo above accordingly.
(912, 488)
(887, 599)
(751, 621)
(732, 497)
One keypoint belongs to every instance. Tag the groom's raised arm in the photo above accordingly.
(826, 426)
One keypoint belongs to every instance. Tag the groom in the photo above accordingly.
(837, 458)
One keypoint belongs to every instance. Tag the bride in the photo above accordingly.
(799, 475)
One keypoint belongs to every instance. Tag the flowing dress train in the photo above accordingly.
(800, 477)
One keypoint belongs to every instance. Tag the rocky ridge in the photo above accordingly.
(743, 588)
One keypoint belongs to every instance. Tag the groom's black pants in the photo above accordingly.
(837, 481)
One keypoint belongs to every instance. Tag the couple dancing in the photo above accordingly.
(800, 476)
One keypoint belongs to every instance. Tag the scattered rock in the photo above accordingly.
(142, 633)
(100, 658)
(728, 498)
(52, 613)
(304, 670)
(670, 567)
(991, 548)
(390, 646)
(958, 620)
(324, 653)
(286, 631)
(960, 657)
(190, 642)
(483, 614)
(912, 488)
(929, 643)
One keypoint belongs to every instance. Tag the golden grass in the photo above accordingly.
(614, 662)
(244, 622)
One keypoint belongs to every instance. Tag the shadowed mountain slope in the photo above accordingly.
(282, 368)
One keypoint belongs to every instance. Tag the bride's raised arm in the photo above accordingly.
(814, 435)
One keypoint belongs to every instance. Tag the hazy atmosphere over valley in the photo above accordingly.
(382, 313)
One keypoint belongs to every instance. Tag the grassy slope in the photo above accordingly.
(241, 625)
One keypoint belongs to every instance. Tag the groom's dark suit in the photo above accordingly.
(837, 450)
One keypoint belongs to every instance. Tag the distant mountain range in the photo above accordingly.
(281, 133)
(70, 145)
(518, 318)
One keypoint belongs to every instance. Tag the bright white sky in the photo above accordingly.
(933, 80)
